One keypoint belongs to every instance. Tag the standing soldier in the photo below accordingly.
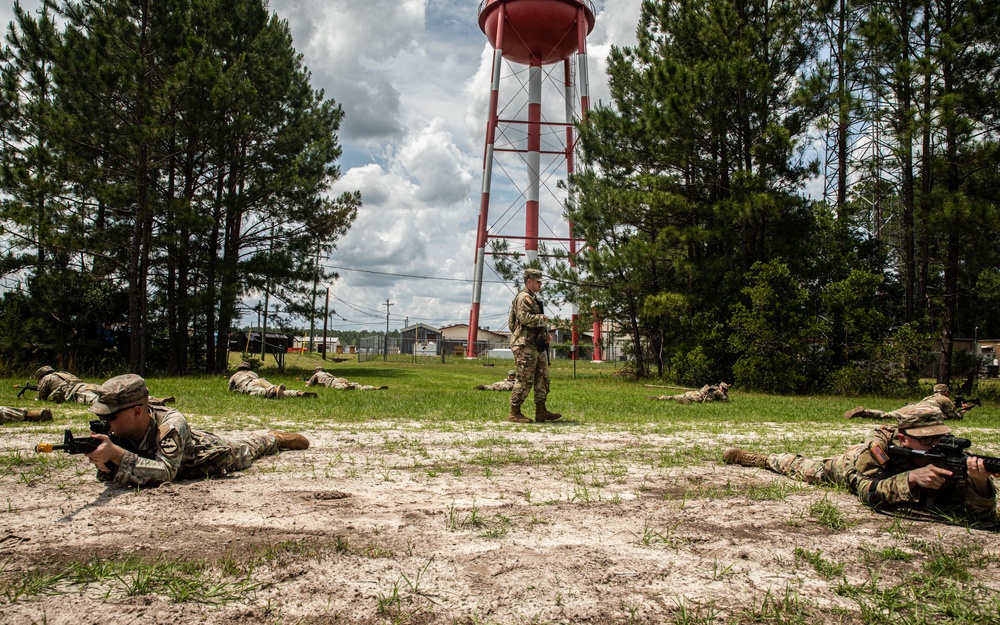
(529, 340)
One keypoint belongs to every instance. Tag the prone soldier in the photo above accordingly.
(249, 383)
(709, 392)
(13, 415)
(938, 402)
(502, 385)
(320, 376)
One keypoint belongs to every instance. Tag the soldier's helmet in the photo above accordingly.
(243, 366)
(941, 389)
(43, 371)
(511, 373)
(319, 368)
(119, 393)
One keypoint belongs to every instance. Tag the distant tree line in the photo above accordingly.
(160, 160)
(704, 245)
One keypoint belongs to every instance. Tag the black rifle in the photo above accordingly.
(26, 387)
(88, 444)
(961, 402)
(948, 454)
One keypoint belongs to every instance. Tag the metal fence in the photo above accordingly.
(394, 349)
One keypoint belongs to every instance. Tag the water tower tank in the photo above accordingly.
(545, 31)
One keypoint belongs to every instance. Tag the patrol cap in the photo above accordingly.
(511, 372)
(941, 388)
(118, 393)
(243, 365)
(920, 425)
(43, 371)
(532, 274)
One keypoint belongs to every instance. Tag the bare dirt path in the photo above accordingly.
(405, 523)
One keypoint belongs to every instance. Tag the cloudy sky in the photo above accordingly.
(413, 77)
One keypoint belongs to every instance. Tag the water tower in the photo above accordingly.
(531, 34)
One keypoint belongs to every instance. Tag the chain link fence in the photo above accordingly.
(394, 349)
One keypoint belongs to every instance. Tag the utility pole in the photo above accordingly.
(312, 313)
(326, 317)
(385, 354)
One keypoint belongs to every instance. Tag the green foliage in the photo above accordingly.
(772, 333)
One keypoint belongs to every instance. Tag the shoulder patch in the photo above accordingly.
(170, 441)
(879, 454)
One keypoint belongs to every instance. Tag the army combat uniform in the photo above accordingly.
(502, 385)
(706, 393)
(867, 470)
(12, 415)
(173, 450)
(249, 383)
(529, 340)
(321, 377)
(60, 386)
(936, 403)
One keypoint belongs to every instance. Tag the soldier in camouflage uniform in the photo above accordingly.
(502, 385)
(320, 376)
(529, 340)
(60, 386)
(939, 402)
(166, 447)
(10, 415)
(869, 470)
(719, 392)
(249, 383)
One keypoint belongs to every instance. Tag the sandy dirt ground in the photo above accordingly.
(405, 523)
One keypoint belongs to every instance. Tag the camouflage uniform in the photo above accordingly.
(502, 385)
(60, 386)
(868, 471)
(11, 415)
(529, 341)
(171, 449)
(936, 403)
(706, 393)
(340, 384)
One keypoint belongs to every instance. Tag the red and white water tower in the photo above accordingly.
(535, 34)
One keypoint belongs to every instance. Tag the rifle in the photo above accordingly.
(967, 403)
(948, 454)
(28, 386)
(88, 444)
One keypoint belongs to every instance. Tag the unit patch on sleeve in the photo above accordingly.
(170, 442)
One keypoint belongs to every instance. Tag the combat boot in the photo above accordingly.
(279, 391)
(542, 413)
(309, 394)
(853, 412)
(515, 415)
(290, 440)
(735, 455)
(39, 415)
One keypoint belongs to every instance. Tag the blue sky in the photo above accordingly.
(413, 77)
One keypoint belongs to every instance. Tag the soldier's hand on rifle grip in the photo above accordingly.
(106, 453)
(978, 475)
(931, 477)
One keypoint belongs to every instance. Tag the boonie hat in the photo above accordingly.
(118, 393)
(43, 371)
(923, 424)
(532, 274)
